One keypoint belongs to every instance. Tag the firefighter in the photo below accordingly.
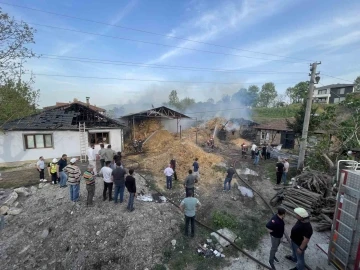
(135, 145)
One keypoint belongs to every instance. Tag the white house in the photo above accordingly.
(54, 132)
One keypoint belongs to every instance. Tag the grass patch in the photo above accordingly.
(251, 229)
(3, 168)
(221, 169)
(185, 256)
(221, 219)
(159, 267)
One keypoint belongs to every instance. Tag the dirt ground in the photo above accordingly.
(53, 233)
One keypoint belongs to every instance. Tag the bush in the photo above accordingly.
(222, 219)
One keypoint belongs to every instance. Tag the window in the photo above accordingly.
(33, 141)
(339, 99)
(263, 135)
(322, 92)
(341, 91)
(99, 137)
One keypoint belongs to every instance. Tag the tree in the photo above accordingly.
(298, 92)
(357, 84)
(17, 100)
(14, 39)
(253, 91)
(225, 99)
(174, 99)
(186, 103)
(267, 94)
(211, 101)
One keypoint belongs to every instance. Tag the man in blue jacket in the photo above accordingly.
(276, 227)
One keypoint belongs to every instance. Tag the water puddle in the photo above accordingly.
(247, 171)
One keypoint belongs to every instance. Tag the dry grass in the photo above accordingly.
(239, 141)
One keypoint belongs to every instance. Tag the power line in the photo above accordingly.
(154, 43)
(123, 63)
(153, 33)
(336, 78)
(144, 80)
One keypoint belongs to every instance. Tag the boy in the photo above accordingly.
(90, 184)
(52, 171)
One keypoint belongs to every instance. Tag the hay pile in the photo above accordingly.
(238, 142)
(163, 145)
(146, 127)
(215, 122)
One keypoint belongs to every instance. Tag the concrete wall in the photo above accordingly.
(12, 146)
(274, 137)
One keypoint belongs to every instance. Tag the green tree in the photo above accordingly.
(186, 103)
(267, 94)
(253, 91)
(14, 40)
(297, 125)
(17, 100)
(298, 92)
(357, 84)
(174, 99)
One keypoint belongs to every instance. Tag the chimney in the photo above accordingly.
(87, 101)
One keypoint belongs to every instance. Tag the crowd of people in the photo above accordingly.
(114, 175)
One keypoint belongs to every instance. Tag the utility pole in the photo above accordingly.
(303, 143)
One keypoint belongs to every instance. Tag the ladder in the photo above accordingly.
(83, 142)
(344, 247)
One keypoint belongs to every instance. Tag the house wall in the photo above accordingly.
(12, 147)
(335, 93)
(116, 138)
(274, 137)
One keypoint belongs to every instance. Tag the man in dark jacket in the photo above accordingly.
(173, 166)
(276, 227)
(279, 171)
(118, 176)
(131, 187)
(230, 173)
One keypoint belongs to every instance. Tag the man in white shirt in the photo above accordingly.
(169, 173)
(106, 172)
(286, 170)
(253, 148)
(92, 153)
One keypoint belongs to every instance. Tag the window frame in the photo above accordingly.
(262, 135)
(343, 90)
(96, 135)
(322, 92)
(25, 140)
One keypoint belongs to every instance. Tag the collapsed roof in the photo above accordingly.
(159, 112)
(66, 117)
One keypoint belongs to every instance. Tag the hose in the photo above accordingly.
(207, 227)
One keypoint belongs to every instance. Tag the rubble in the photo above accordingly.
(11, 198)
(22, 191)
(14, 211)
(246, 171)
(227, 233)
(4, 209)
(246, 192)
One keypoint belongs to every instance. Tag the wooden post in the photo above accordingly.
(133, 128)
(180, 131)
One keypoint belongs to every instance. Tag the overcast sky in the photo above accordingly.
(302, 30)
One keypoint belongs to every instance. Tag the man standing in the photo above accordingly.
(74, 176)
(102, 155)
(131, 187)
(109, 154)
(108, 183)
(52, 171)
(89, 178)
(92, 153)
(276, 228)
(300, 237)
(118, 176)
(279, 171)
(253, 148)
(40, 165)
(189, 206)
(286, 170)
(230, 173)
(189, 183)
(173, 166)
(62, 163)
(256, 156)
(196, 169)
(264, 152)
(169, 173)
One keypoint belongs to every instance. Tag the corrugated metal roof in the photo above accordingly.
(155, 112)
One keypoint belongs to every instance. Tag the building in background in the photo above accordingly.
(56, 131)
(87, 103)
(332, 94)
